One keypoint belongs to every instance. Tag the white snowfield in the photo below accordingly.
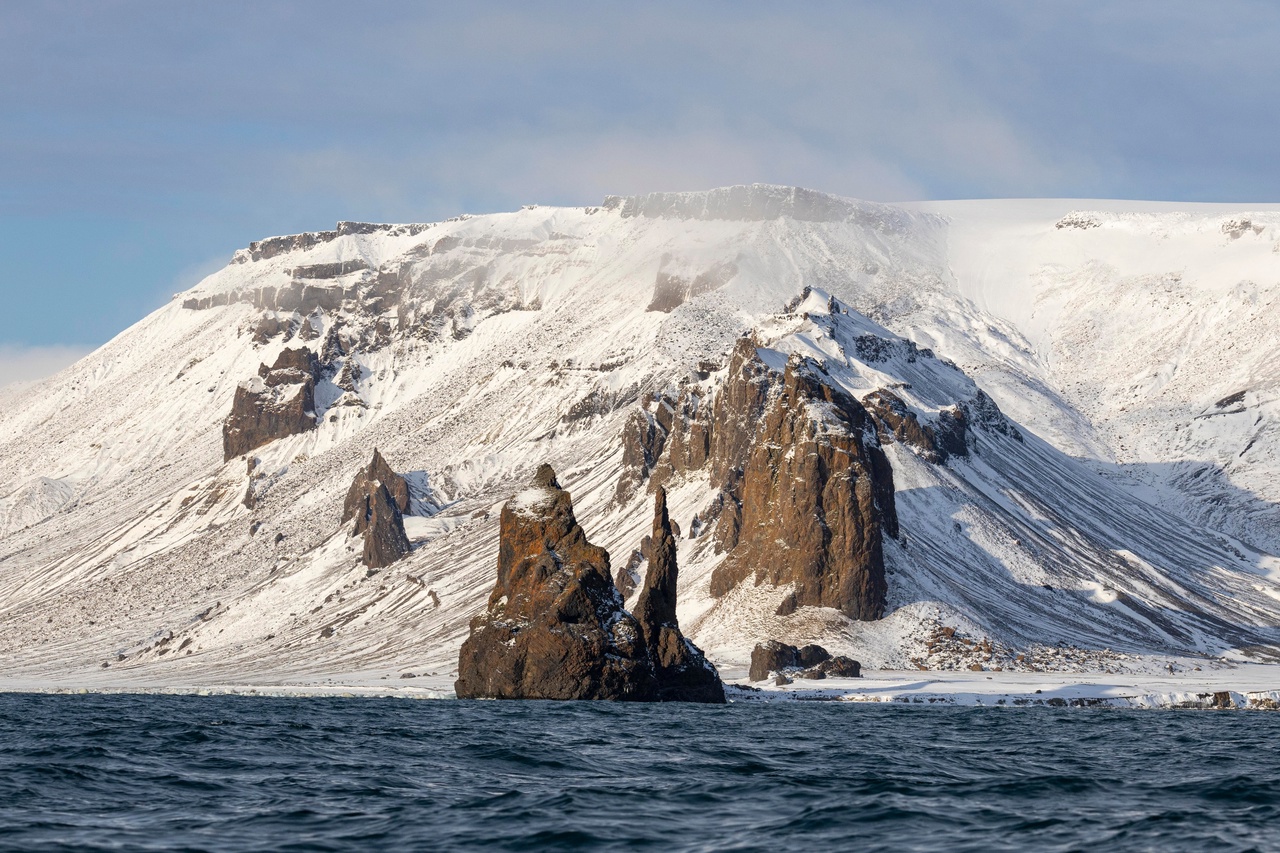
(1124, 524)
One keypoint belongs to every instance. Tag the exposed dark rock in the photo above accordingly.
(628, 576)
(250, 499)
(840, 666)
(269, 325)
(310, 328)
(671, 289)
(672, 437)
(683, 673)
(788, 605)
(949, 433)
(811, 655)
(349, 375)
(381, 523)
(598, 402)
(280, 403)
(272, 246)
(983, 411)
(807, 662)
(1231, 400)
(380, 472)
(815, 490)
(555, 627)
(292, 365)
(895, 422)
(771, 656)
(643, 440)
(378, 499)
(805, 491)
(330, 270)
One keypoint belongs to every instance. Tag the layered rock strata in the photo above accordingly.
(683, 672)
(378, 499)
(280, 402)
(555, 626)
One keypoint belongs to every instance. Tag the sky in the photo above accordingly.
(141, 143)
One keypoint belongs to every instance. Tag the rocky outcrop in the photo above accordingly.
(279, 403)
(805, 492)
(377, 471)
(810, 492)
(674, 285)
(682, 671)
(378, 499)
(628, 575)
(643, 440)
(555, 627)
(330, 270)
(896, 422)
(771, 656)
(811, 661)
(381, 523)
(657, 444)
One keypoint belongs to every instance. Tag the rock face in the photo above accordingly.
(279, 403)
(805, 491)
(810, 661)
(377, 500)
(377, 470)
(683, 673)
(811, 493)
(555, 627)
(771, 656)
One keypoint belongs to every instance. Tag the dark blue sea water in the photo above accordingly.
(233, 773)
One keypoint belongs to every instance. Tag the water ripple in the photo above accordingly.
(244, 773)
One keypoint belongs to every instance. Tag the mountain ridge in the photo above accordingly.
(483, 342)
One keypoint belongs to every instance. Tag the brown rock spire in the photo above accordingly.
(377, 500)
(684, 674)
(555, 627)
(377, 471)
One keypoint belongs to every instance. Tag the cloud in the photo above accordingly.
(150, 135)
(475, 174)
(21, 365)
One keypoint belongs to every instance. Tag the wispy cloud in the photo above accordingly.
(150, 135)
(24, 365)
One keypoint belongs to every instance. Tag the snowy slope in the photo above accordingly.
(1136, 518)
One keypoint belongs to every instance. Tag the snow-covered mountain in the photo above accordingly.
(1115, 501)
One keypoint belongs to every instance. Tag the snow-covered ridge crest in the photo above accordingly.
(761, 202)
(1233, 226)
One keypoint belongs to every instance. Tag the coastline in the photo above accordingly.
(1241, 687)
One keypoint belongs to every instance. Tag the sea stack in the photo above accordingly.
(683, 672)
(555, 626)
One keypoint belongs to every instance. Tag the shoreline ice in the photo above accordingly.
(1245, 687)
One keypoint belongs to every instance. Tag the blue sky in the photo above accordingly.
(143, 142)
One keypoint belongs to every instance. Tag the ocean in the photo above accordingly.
(230, 773)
